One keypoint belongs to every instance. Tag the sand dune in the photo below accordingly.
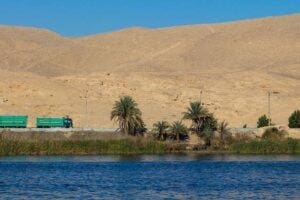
(229, 66)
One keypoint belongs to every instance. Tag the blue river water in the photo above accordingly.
(189, 176)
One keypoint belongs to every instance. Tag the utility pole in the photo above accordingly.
(200, 95)
(86, 107)
(269, 104)
(269, 107)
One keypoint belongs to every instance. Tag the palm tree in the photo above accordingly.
(127, 114)
(224, 131)
(160, 128)
(197, 114)
(139, 127)
(208, 128)
(207, 134)
(179, 131)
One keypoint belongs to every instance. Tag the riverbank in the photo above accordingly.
(80, 147)
(128, 146)
(114, 143)
(267, 146)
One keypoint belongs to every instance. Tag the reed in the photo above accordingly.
(266, 146)
(80, 147)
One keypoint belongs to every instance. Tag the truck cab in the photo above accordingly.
(68, 122)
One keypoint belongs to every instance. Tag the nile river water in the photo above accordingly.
(189, 176)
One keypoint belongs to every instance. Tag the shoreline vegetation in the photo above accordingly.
(138, 145)
(133, 137)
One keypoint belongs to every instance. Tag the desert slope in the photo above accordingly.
(230, 66)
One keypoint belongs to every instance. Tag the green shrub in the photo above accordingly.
(242, 137)
(263, 121)
(294, 119)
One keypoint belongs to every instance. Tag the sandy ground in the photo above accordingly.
(229, 66)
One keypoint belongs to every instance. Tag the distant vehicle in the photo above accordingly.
(13, 121)
(54, 122)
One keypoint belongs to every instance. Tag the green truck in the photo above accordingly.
(13, 121)
(54, 122)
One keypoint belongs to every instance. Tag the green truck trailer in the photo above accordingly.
(54, 122)
(13, 121)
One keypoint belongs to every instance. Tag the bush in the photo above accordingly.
(274, 134)
(294, 119)
(263, 121)
(243, 137)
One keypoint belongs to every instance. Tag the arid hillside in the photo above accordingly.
(229, 66)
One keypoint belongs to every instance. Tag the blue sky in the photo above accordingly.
(83, 17)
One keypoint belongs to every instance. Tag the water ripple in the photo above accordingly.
(150, 177)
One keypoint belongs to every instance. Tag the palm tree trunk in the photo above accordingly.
(199, 125)
(126, 129)
(222, 139)
(162, 136)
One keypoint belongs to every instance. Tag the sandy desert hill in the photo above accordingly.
(229, 66)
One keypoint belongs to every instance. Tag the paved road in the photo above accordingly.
(59, 129)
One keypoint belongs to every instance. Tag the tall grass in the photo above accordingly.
(266, 146)
(93, 144)
(84, 147)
